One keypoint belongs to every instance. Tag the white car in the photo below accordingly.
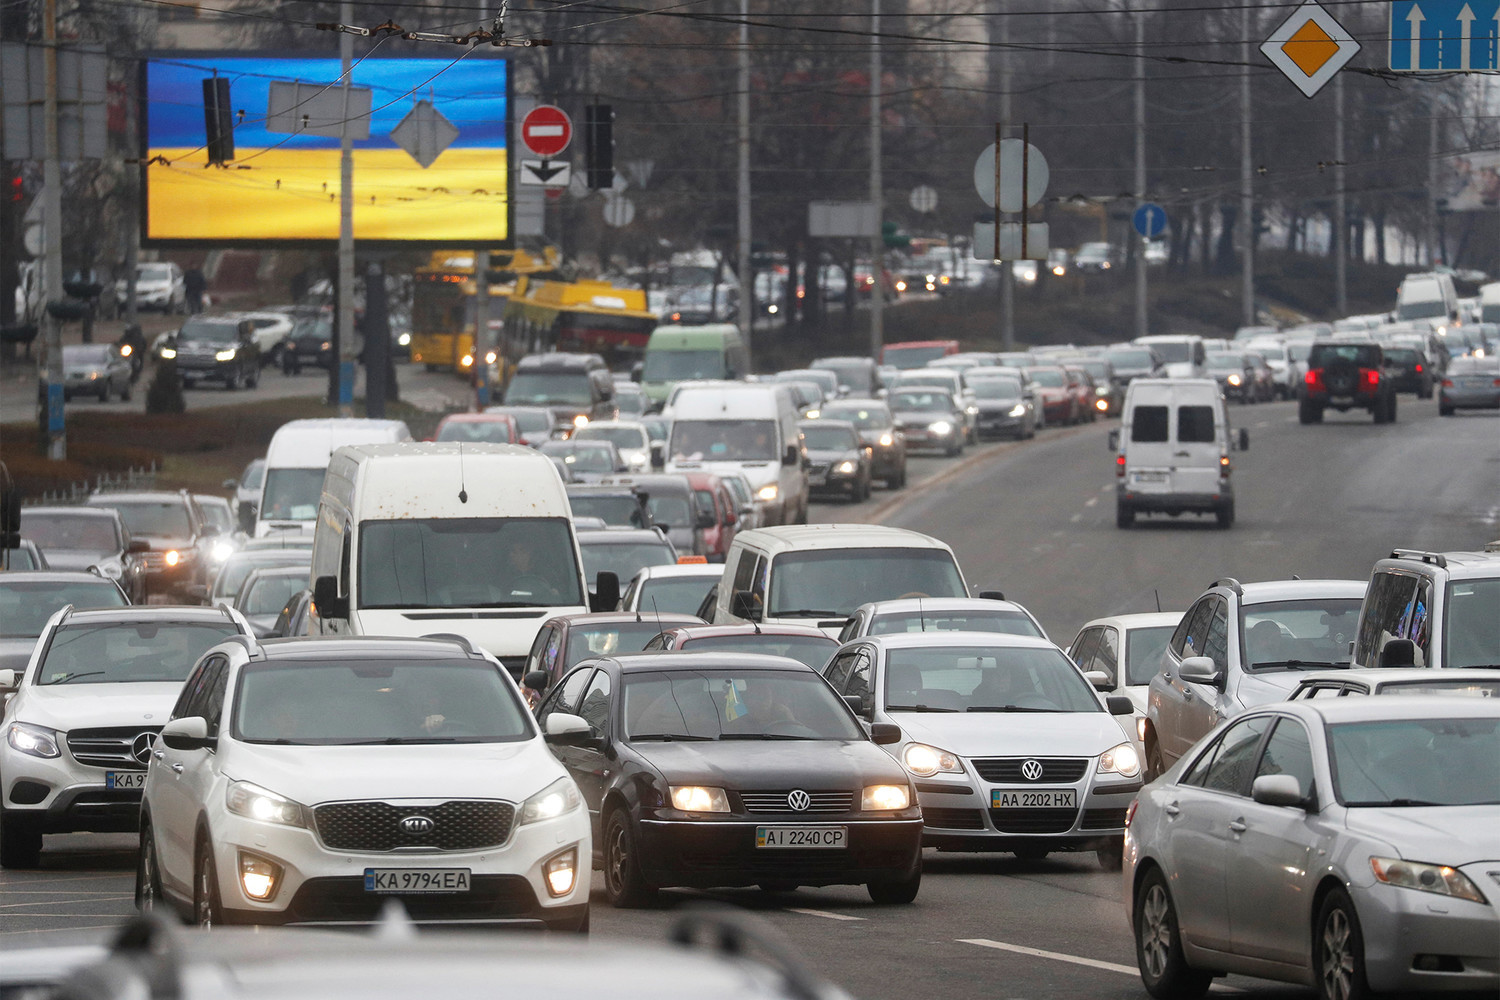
(1348, 845)
(158, 285)
(629, 438)
(1009, 746)
(941, 614)
(1120, 654)
(678, 588)
(312, 780)
(86, 708)
(271, 329)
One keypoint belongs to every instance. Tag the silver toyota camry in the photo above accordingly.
(1349, 845)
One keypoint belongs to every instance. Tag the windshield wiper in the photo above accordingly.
(818, 612)
(1399, 802)
(671, 738)
(1298, 664)
(1008, 708)
(69, 678)
(764, 736)
(917, 708)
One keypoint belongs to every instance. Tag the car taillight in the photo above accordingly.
(1419, 369)
(1497, 381)
(1448, 383)
(1120, 466)
(1369, 378)
(1314, 380)
(1224, 466)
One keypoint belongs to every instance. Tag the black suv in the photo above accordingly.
(309, 343)
(216, 348)
(175, 528)
(1346, 375)
(577, 388)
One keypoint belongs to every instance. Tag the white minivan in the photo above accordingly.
(475, 540)
(743, 428)
(1172, 451)
(1184, 355)
(295, 463)
(1427, 296)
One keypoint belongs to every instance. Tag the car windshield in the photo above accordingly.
(308, 328)
(623, 559)
(291, 494)
(724, 441)
(630, 403)
(996, 388)
(1422, 309)
(913, 401)
(1048, 377)
(1128, 359)
(531, 421)
(912, 357)
(913, 380)
(1226, 362)
(162, 518)
(985, 679)
(1298, 635)
(999, 620)
(467, 562)
(317, 702)
(670, 510)
(1173, 351)
(730, 705)
(253, 476)
(152, 272)
(674, 594)
(128, 652)
(618, 511)
(812, 650)
(1416, 762)
(620, 437)
(857, 375)
(1299, 351)
(79, 355)
(70, 532)
(582, 456)
(1143, 651)
(25, 605)
(827, 583)
(267, 595)
(1470, 635)
(864, 417)
(217, 515)
(566, 388)
(493, 431)
(829, 438)
(682, 366)
(607, 639)
(240, 565)
(209, 331)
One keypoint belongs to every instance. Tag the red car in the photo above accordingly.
(715, 509)
(490, 428)
(1082, 386)
(811, 645)
(1056, 400)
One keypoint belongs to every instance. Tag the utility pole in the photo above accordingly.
(1007, 269)
(1340, 217)
(57, 439)
(1142, 327)
(747, 274)
(1433, 251)
(482, 340)
(1247, 189)
(877, 190)
(346, 228)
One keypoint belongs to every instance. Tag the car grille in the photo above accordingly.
(460, 825)
(1103, 819)
(953, 819)
(1055, 770)
(155, 561)
(775, 802)
(113, 747)
(1033, 820)
(817, 470)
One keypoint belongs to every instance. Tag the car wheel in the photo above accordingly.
(1124, 516)
(1339, 950)
(896, 893)
(1224, 514)
(1158, 945)
(252, 377)
(623, 882)
(1445, 411)
(1112, 858)
(147, 873)
(231, 381)
(1308, 412)
(206, 911)
(1390, 410)
(20, 841)
(1156, 763)
(125, 392)
(104, 392)
(188, 383)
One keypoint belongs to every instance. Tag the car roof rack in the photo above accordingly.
(1230, 582)
(1430, 558)
(252, 647)
(462, 640)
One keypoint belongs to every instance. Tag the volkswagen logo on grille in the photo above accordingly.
(1031, 770)
(797, 800)
(415, 826)
(140, 747)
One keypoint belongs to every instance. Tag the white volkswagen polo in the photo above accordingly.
(312, 780)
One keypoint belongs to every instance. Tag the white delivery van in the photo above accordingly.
(745, 428)
(1489, 302)
(818, 574)
(426, 537)
(1428, 296)
(1172, 451)
(295, 463)
(1183, 355)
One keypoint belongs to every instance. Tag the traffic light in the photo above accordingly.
(599, 145)
(218, 120)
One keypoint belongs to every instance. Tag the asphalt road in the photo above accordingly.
(1037, 520)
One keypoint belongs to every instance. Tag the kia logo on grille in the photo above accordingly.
(797, 800)
(1031, 770)
(140, 747)
(417, 825)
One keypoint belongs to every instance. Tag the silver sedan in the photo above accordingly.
(1347, 845)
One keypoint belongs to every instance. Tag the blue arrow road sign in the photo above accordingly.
(1446, 35)
(1150, 220)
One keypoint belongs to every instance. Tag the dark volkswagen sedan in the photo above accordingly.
(725, 769)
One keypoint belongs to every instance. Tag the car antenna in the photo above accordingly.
(1158, 599)
(657, 611)
(921, 615)
(463, 494)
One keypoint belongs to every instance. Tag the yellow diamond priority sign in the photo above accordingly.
(1310, 47)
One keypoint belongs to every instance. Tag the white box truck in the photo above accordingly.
(295, 463)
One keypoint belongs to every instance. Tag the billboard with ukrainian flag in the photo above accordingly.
(282, 185)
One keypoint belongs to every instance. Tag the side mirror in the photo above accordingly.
(326, 597)
(885, 733)
(138, 545)
(658, 456)
(8, 680)
(1118, 704)
(1244, 439)
(535, 679)
(1398, 653)
(190, 733)
(568, 730)
(210, 531)
(606, 595)
(231, 484)
(856, 703)
(790, 457)
(1099, 679)
(1277, 790)
(706, 520)
(1200, 670)
(991, 595)
(743, 605)
(1114, 440)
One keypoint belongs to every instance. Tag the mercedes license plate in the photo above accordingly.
(416, 880)
(802, 836)
(124, 779)
(1148, 477)
(1033, 798)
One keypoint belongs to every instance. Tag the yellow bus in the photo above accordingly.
(443, 303)
(592, 317)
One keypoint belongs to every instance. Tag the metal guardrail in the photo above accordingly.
(131, 479)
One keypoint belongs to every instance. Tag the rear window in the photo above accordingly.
(1363, 355)
(1148, 424)
(1195, 424)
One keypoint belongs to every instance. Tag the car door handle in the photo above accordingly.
(177, 768)
(1171, 809)
(158, 755)
(1181, 454)
(1237, 826)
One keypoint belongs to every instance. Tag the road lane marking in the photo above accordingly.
(826, 914)
(1076, 518)
(45, 902)
(1092, 963)
(1091, 501)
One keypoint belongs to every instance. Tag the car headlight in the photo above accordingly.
(884, 798)
(1122, 760)
(222, 550)
(467, 361)
(224, 355)
(846, 467)
(1101, 390)
(34, 741)
(254, 802)
(404, 340)
(1019, 410)
(812, 414)
(172, 558)
(169, 353)
(326, 345)
(1233, 380)
(923, 760)
(699, 799)
(770, 491)
(1441, 879)
(886, 440)
(551, 802)
(940, 427)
